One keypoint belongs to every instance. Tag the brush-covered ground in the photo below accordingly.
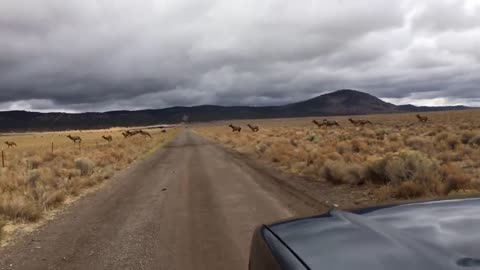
(395, 158)
(35, 180)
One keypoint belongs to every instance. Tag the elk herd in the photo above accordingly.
(328, 123)
(109, 138)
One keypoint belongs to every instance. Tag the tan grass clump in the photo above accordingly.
(85, 166)
(408, 190)
(454, 179)
(339, 172)
(401, 167)
(475, 140)
(2, 224)
(18, 206)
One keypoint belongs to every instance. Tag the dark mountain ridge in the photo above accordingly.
(342, 102)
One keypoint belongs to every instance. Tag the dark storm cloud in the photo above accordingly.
(118, 54)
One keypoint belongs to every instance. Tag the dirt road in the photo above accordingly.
(191, 205)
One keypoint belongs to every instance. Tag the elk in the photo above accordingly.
(144, 133)
(253, 128)
(75, 138)
(330, 123)
(10, 144)
(422, 119)
(318, 123)
(107, 138)
(359, 122)
(134, 132)
(130, 133)
(235, 128)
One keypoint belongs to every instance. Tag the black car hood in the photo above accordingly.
(431, 235)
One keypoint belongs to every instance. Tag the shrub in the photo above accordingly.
(85, 166)
(466, 137)
(339, 172)
(2, 224)
(48, 157)
(441, 136)
(367, 133)
(409, 190)
(261, 148)
(401, 167)
(53, 199)
(454, 178)
(381, 133)
(33, 163)
(465, 126)
(417, 143)
(452, 142)
(33, 176)
(343, 147)
(358, 146)
(475, 140)
(17, 206)
(394, 137)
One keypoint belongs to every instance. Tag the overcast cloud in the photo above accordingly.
(78, 55)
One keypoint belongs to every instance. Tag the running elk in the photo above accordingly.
(422, 119)
(107, 138)
(329, 123)
(10, 144)
(235, 128)
(75, 138)
(145, 133)
(130, 133)
(359, 122)
(318, 123)
(253, 128)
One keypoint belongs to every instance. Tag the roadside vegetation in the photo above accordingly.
(398, 157)
(36, 179)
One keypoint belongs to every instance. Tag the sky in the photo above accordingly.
(78, 55)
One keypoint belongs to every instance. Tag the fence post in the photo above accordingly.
(52, 148)
(3, 160)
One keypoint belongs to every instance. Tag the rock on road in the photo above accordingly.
(191, 205)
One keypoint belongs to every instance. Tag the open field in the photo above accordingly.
(396, 157)
(35, 180)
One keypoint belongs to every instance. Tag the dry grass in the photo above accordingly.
(397, 157)
(36, 180)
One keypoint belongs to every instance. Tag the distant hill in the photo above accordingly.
(342, 102)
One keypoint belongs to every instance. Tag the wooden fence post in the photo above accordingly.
(52, 148)
(3, 160)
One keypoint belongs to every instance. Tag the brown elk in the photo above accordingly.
(330, 123)
(253, 128)
(144, 133)
(130, 133)
(359, 122)
(235, 128)
(422, 119)
(75, 138)
(107, 138)
(318, 123)
(134, 132)
(10, 144)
